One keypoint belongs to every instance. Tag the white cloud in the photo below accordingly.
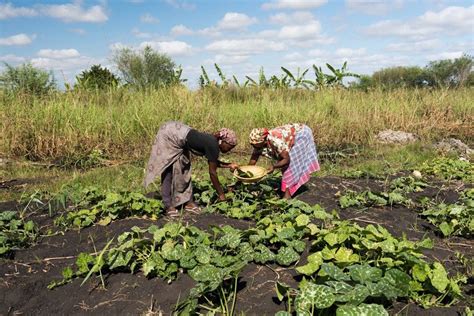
(12, 59)
(350, 52)
(7, 11)
(58, 53)
(299, 17)
(250, 46)
(179, 30)
(78, 31)
(456, 17)
(445, 55)
(178, 4)
(234, 20)
(317, 53)
(305, 31)
(230, 21)
(424, 45)
(374, 7)
(451, 20)
(172, 48)
(59, 64)
(293, 56)
(209, 31)
(293, 4)
(139, 34)
(73, 12)
(18, 39)
(230, 59)
(148, 18)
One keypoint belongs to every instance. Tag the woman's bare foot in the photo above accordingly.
(287, 195)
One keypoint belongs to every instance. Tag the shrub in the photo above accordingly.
(96, 78)
(145, 68)
(27, 79)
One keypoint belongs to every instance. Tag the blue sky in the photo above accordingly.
(241, 36)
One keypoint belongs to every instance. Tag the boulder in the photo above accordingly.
(454, 145)
(396, 137)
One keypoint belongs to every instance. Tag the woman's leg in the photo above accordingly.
(166, 183)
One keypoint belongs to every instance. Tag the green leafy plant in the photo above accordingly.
(350, 266)
(27, 79)
(453, 219)
(96, 78)
(369, 198)
(15, 232)
(449, 169)
(106, 207)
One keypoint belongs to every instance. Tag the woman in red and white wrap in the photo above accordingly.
(293, 148)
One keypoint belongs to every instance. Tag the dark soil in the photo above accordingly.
(24, 279)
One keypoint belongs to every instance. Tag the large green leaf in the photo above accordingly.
(365, 273)
(286, 256)
(329, 269)
(317, 295)
(361, 310)
(439, 278)
(205, 273)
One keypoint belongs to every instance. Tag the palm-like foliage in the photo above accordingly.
(286, 80)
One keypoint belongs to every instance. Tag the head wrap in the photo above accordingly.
(258, 135)
(227, 135)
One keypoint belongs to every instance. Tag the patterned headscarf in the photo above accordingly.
(227, 135)
(258, 135)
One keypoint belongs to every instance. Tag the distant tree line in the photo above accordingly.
(446, 73)
(147, 68)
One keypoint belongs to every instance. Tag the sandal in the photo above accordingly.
(173, 213)
(193, 209)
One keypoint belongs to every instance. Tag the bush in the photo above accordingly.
(145, 68)
(27, 79)
(96, 78)
(452, 73)
(401, 77)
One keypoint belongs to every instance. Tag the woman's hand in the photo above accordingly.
(270, 170)
(222, 198)
(233, 166)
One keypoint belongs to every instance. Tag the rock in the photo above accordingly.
(454, 145)
(395, 137)
(416, 174)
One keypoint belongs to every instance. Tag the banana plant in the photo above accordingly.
(225, 82)
(338, 75)
(279, 83)
(176, 79)
(298, 80)
(262, 80)
(204, 80)
(236, 82)
(321, 78)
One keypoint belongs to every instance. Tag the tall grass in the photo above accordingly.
(123, 123)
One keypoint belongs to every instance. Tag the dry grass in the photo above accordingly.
(123, 123)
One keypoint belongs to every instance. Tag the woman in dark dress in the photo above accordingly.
(171, 159)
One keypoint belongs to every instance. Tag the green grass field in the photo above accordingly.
(122, 124)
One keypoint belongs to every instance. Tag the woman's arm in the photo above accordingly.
(215, 180)
(229, 165)
(255, 155)
(282, 163)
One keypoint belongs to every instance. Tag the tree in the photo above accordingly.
(145, 68)
(364, 82)
(451, 73)
(96, 78)
(401, 77)
(27, 79)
